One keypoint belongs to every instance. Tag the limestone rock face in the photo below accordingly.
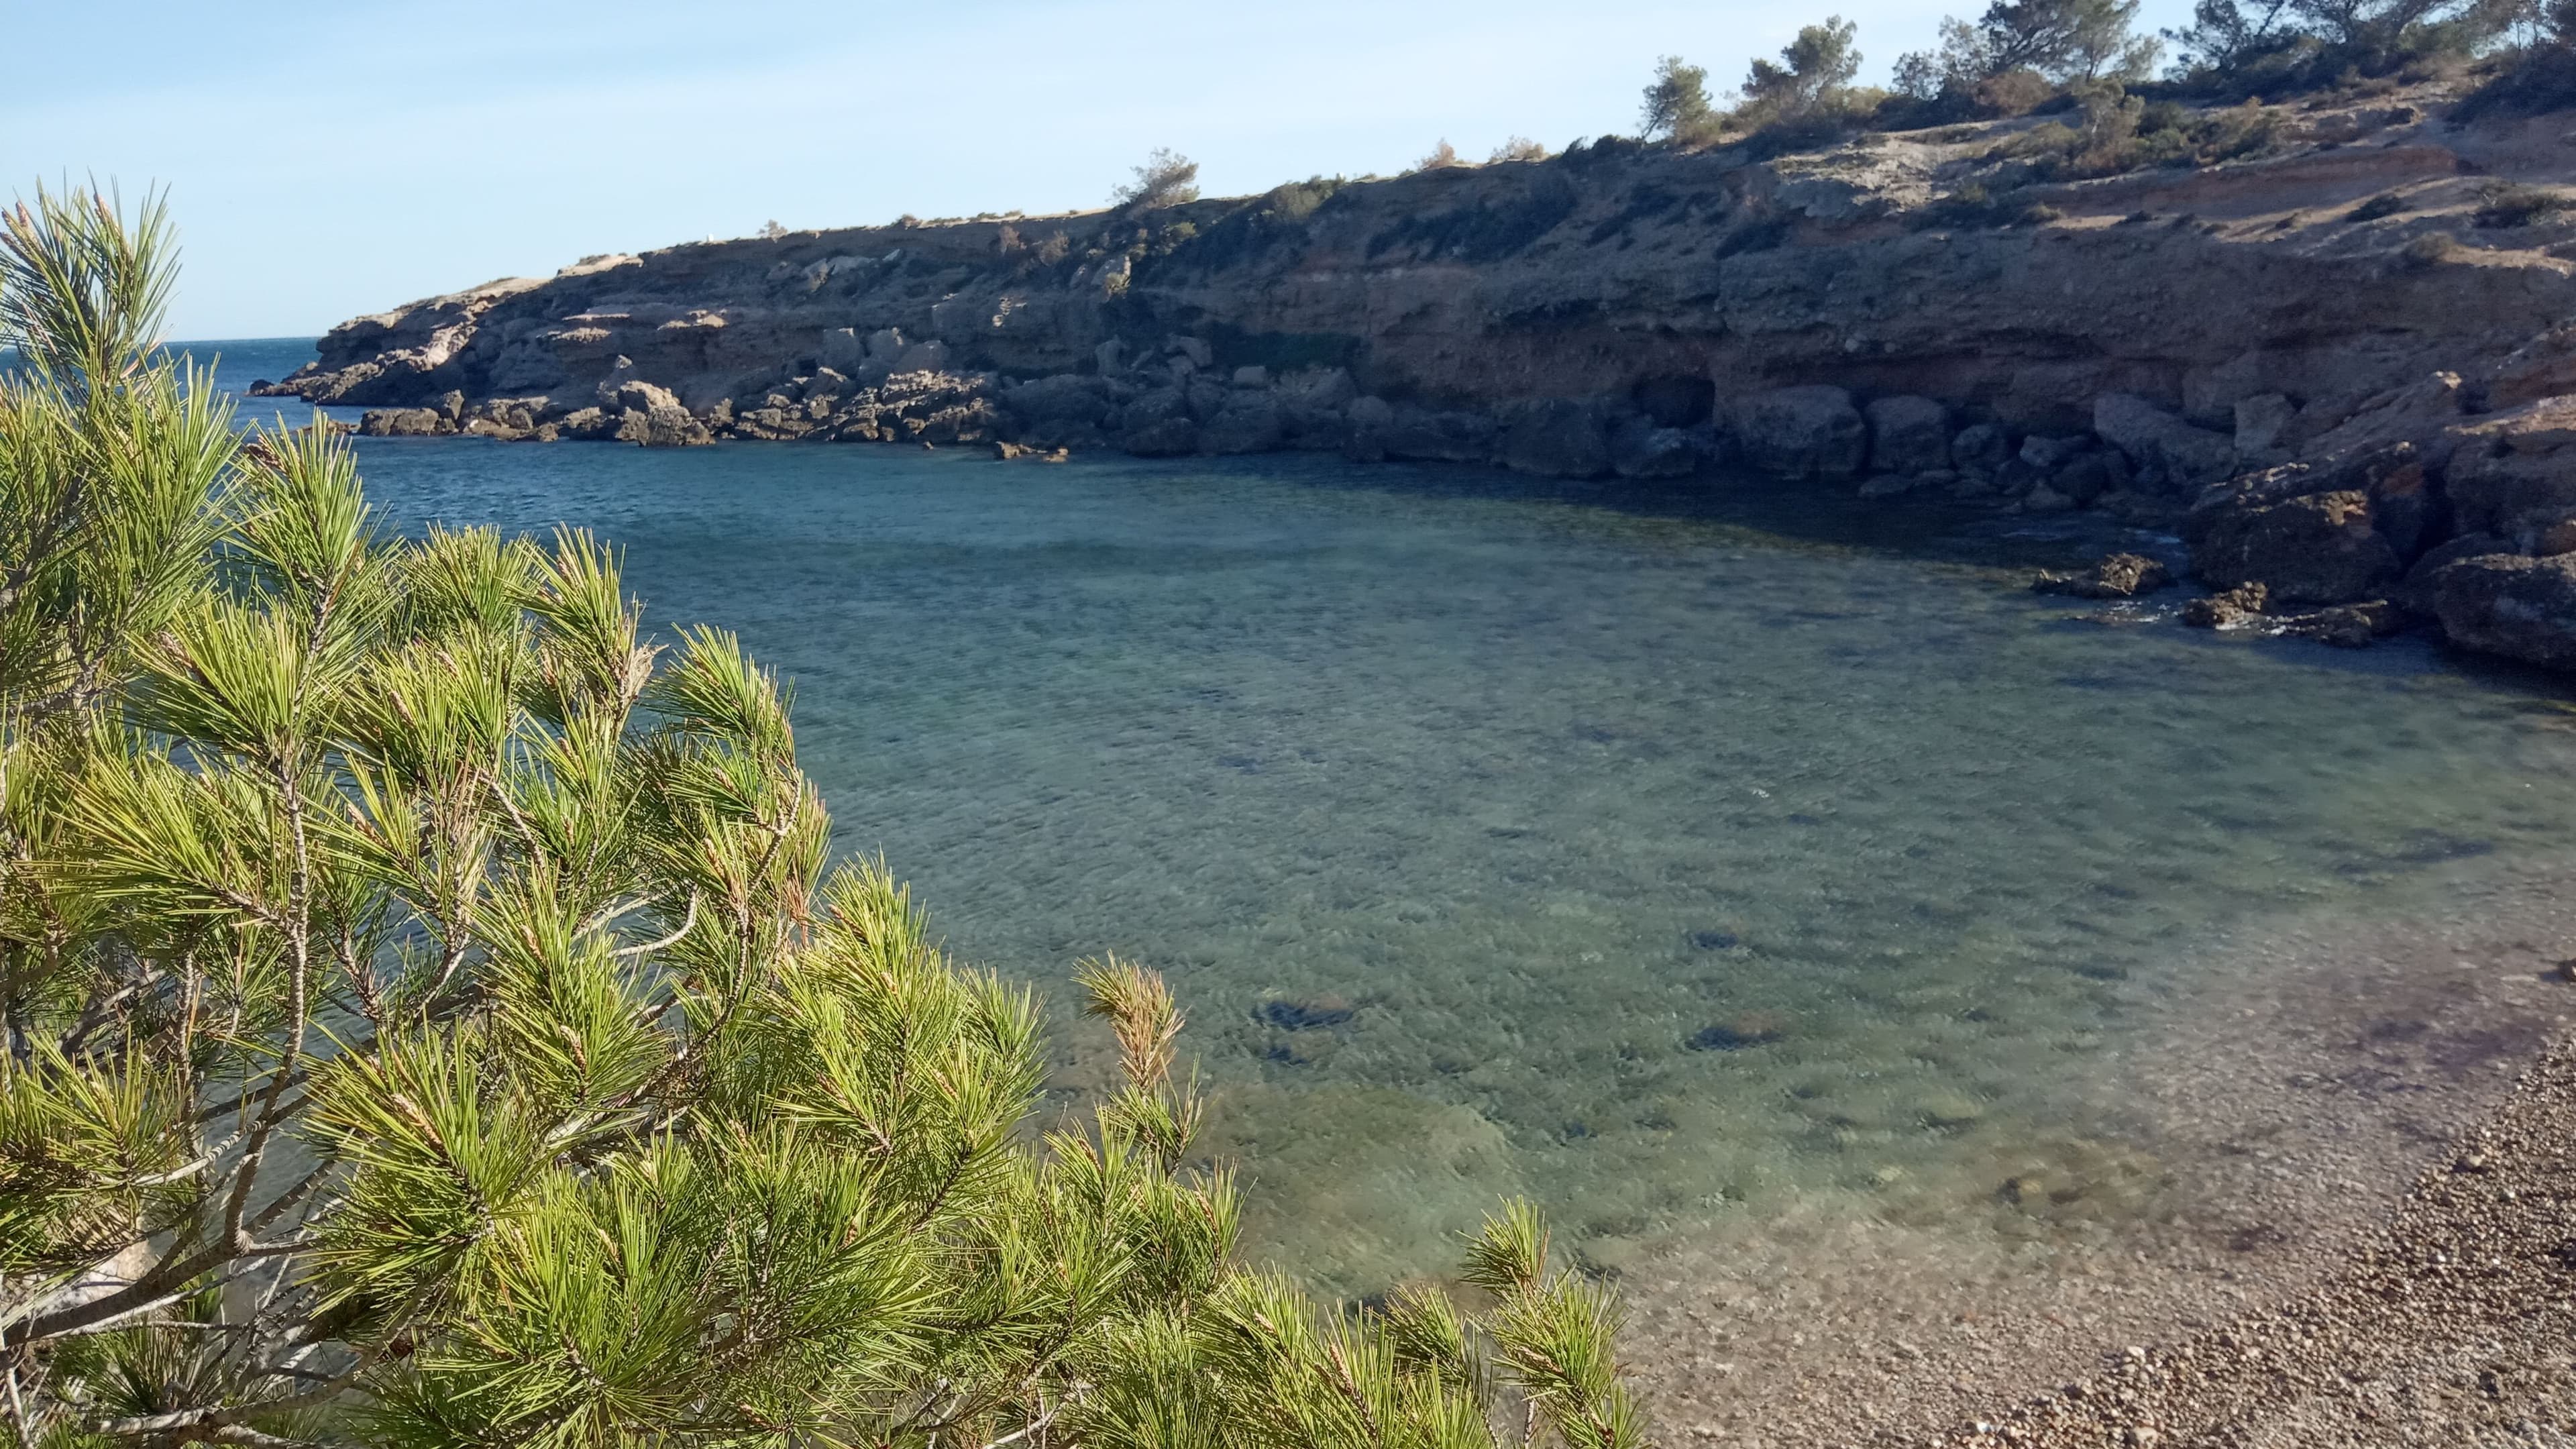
(2319, 548)
(2521, 608)
(2513, 473)
(1558, 439)
(1801, 432)
(1908, 435)
(2154, 438)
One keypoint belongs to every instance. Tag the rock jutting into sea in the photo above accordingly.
(2348, 413)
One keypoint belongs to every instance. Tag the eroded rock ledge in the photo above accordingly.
(2338, 406)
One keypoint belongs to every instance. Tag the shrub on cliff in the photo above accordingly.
(2274, 47)
(2117, 132)
(2537, 82)
(433, 1019)
(2062, 42)
(1167, 178)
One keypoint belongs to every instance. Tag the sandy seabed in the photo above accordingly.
(2359, 1228)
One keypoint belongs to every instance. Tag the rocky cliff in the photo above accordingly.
(2338, 360)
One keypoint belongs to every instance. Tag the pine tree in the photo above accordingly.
(433, 1018)
(1812, 76)
(1677, 107)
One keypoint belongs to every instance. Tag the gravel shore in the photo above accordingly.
(2345, 1217)
(2457, 1327)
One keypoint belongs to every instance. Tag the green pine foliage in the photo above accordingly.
(433, 1017)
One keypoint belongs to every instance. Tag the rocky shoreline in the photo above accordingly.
(2332, 365)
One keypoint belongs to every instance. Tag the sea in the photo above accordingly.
(1670, 854)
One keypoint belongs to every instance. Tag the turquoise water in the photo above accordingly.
(1665, 856)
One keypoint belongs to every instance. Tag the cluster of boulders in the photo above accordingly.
(925, 406)
(2431, 502)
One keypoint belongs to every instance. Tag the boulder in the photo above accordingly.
(2088, 476)
(2411, 414)
(2116, 576)
(1430, 436)
(1111, 357)
(2015, 479)
(2348, 626)
(1908, 435)
(1250, 424)
(2262, 429)
(1254, 376)
(1206, 398)
(1558, 438)
(2050, 454)
(923, 357)
(1063, 400)
(1801, 432)
(2451, 551)
(2154, 438)
(588, 423)
(633, 394)
(661, 427)
(404, 423)
(2229, 609)
(1170, 437)
(1328, 388)
(1676, 402)
(2506, 604)
(1982, 446)
(1640, 449)
(2404, 504)
(2314, 549)
(2044, 499)
(1152, 406)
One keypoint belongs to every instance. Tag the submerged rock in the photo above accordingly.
(1736, 1033)
(1309, 1015)
(2349, 626)
(2117, 576)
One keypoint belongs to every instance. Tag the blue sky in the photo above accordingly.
(325, 161)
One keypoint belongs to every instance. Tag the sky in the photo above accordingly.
(328, 161)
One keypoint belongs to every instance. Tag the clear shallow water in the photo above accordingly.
(1661, 857)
